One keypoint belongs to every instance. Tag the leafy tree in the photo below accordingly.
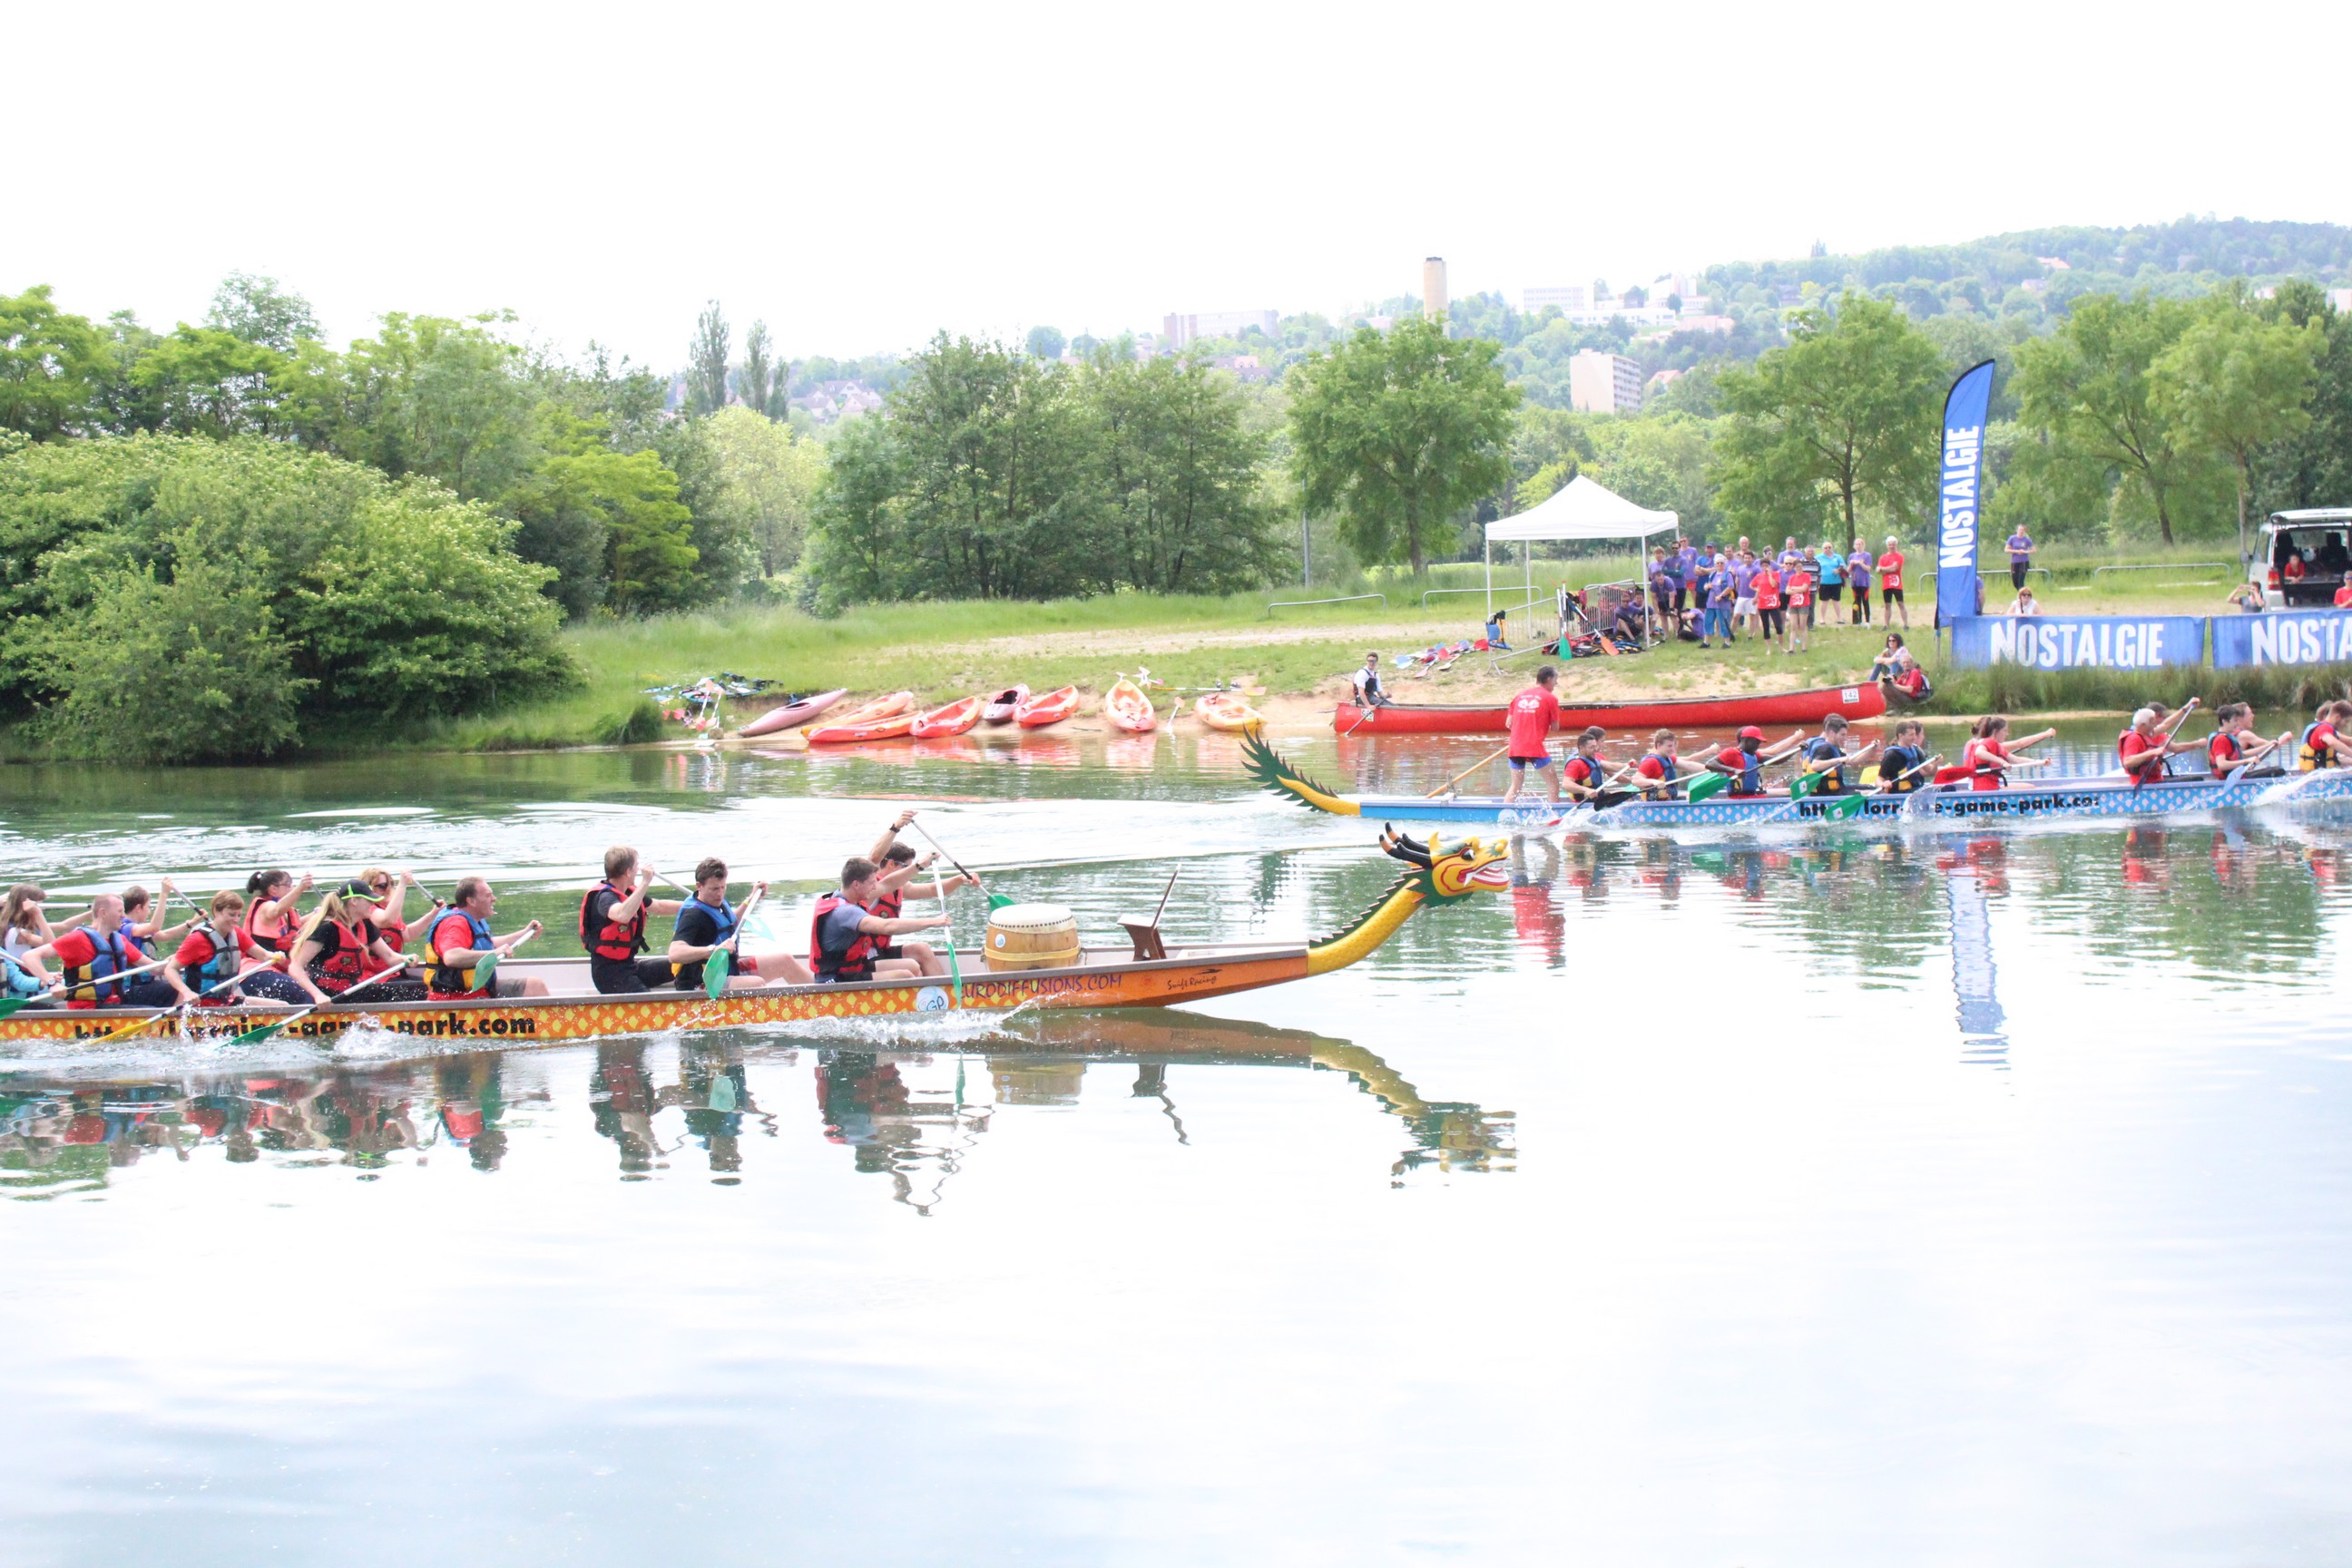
(247, 586)
(447, 399)
(1045, 343)
(202, 381)
(2234, 384)
(769, 479)
(725, 552)
(858, 538)
(257, 311)
(2315, 468)
(1659, 462)
(609, 525)
(1185, 511)
(706, 359)
(50, 363)
(1842, 418)
(756, 381)
(2091, 389)
(1398, 432)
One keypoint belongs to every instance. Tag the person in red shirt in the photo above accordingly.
(2344, 595)
(1584, 772)
(1660, 767)
(96, 957)
(1989, 758)
(1797, 589)
(460, 939)
(1767, 589)
(209, 968)
(1530, 717)
(2234, 745)
(2144, 748)
(1890, 583)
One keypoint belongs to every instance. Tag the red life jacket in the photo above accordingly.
(612, 940)
(2143, 773)
(887, 905)
(346, 964)
(855, 962)
(282, 941)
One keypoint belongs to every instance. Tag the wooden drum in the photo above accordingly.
(1032, 936)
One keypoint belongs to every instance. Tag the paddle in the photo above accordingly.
(960, 868)
(256, 1035)
(1707, 788)
(1466, 773)
(161, 1013)
(720, 965)
(955, 965)
(9, 1005)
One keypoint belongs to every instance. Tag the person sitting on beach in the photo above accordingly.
(1367, 682)
(460, 940)
(2025, 604)
(1660, 767)
(846, 938)
(1495, 631)
(1896, 667)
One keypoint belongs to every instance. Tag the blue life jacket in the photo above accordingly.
(443, 980)
(94, 982)
(1751, 773)
(1896, 760)
(1832, 778)
(723, 919)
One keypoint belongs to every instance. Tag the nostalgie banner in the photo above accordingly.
(2310, 637)
(2080, 642)
(1960, 484)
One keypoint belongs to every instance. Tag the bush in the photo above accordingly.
(632, 727)
(252, 586)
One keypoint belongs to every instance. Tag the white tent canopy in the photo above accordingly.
(1582, 509)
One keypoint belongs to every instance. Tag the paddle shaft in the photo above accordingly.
(255, 1036)
(1466, 773)
(961, 868)
(161, 1013)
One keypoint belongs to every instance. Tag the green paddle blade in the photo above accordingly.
(715, 970)
(997, 901)
(1709, 788)
(1844, 808)
(486, 970)
(1803, 784)
(254, 1037)
(9, 1004)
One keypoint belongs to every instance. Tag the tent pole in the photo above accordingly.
(1487, 550)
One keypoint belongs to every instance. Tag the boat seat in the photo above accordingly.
(1145, 934)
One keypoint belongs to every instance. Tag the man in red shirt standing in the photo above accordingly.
(1890, 583)
(1530, 717)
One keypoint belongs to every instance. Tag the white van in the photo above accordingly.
(2305, 557)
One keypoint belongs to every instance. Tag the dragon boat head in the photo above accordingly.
(1447, 873)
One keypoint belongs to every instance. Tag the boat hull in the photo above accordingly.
(1051, 708)
(2098, 799)
(952, 720)
(1106, 982)
(1128, 708)
(1857, 702)
(792, 713)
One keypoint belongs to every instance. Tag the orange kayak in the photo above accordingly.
(1224, 710)
(884, 719)
(952, 720)
(1047, 708)
(1128, 708)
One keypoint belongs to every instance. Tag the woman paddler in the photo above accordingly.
(270, 917)
(1988, 758)
(338, 947)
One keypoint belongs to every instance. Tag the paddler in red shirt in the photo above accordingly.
(2145, 746)
(1584, 772)
(1529, 719)
(2234, 745)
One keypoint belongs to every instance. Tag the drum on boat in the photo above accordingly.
(1032, 936)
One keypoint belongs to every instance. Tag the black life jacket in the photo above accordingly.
(723, 919)
(612, 940)
(1893, 763)
(855, 962)
(93, 983)
(447, 980)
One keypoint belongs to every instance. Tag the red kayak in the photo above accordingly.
(1864, 700)
(792, 713)
(952, 720)
(1047, 708)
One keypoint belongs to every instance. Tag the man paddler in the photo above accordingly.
(1660, 767)
(1745, 759)
(2324, 746)
(1529, 719)
(1825, 756)
(2232, 746)
(707, 923)
(1584, 773)
(612, 927)
(1367, 682)
(847, 937)
(1905, 759)
(461, 939)
(2146, 746)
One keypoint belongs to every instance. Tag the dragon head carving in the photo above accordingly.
(1447, 873)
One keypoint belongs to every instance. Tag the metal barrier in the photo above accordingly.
(2005, 570)
(1344, 599)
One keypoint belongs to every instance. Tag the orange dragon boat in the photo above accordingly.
(1146, 973)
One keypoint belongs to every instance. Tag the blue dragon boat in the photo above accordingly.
(2107, 797)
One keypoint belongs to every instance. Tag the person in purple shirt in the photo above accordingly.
(1743, 590)
(1857, 577)
(2021, 556)
(1720, 594)
(1790, 556)
(1685, 559)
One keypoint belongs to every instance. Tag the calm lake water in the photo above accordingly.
(1731, 1200)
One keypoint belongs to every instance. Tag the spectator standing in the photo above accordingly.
(1857, 577)
(2021, 556)
(1890, 584)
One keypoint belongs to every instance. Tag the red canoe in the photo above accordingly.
(1864, 700)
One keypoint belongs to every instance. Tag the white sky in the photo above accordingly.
(859, 175)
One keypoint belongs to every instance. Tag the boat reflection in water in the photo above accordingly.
(912, 1115)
